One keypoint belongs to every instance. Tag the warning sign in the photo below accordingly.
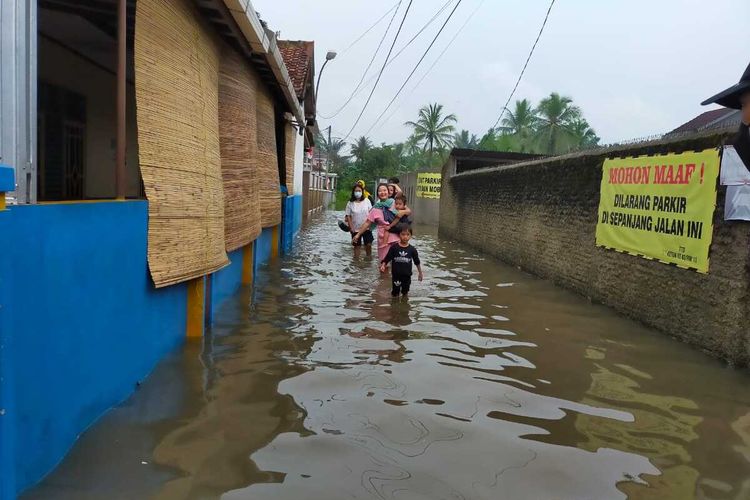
(428, 185)
(660, 206)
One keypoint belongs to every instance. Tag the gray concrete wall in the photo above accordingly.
(541, 216)
(426, 211)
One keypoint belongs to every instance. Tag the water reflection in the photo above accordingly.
(486, 383)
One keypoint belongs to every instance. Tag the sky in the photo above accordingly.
(635, 67)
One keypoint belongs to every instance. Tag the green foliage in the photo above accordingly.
(554, 126)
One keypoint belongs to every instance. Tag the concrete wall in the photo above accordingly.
(80, 325)
(542, 217)
(62, 67)
(426, 210)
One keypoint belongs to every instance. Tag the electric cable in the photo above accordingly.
(406, 13)
(360, 87)
(416, 66)
(360, 37)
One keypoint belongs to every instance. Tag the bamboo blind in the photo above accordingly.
(176, 69)
(290, 134)
(268, 166)
(238, 85)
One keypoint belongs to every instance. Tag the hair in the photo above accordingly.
(404, 227)
(357, 186)
(400, 196)
(393, 180)
(383, 184)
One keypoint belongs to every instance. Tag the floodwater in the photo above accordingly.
(487, 383)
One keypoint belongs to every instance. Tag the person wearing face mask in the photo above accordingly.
(355, 216)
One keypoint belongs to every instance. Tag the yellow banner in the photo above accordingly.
(428, 185)
(660, 207)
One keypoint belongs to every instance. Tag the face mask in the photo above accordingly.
(358, 194)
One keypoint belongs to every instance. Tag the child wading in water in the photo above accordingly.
(402, 254)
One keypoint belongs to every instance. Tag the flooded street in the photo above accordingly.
(488, 383)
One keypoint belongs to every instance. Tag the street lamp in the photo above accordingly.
(331, 54)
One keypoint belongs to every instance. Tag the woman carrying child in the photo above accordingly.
(384, 215)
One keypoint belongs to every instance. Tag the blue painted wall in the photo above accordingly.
(262, 252)
(80, 324)
(227, 281)
(292, 221)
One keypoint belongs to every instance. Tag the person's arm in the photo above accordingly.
(388, 258)
(348, 215)
(396, 220)
(361, 231)
(418, 263)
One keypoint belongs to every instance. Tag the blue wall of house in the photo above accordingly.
(262, 252)
(80, 325)
(292, 221)
(227, 281)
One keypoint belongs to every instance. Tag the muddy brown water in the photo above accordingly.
(488, 383)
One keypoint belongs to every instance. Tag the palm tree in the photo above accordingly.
(582, 134)
(556, 114)
(465, 140)
(522, 123)
(433, 129)
(332, 150)
(360, 148)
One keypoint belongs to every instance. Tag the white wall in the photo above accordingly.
(299, 152)
(64, 68)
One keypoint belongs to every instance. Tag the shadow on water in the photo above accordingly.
(485, 383)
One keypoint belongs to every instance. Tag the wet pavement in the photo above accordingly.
(488, 383)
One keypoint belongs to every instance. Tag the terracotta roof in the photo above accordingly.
(704, 120)
(297, 55)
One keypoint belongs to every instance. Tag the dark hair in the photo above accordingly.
(378, 188)
(405, 226)
(400, 196)
(394, 180)
(357, 186)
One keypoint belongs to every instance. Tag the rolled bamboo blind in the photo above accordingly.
(290, 134)
(176, 70)
(238, 85)
(268, 166)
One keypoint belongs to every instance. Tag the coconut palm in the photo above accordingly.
(360, 148)
(556, 114)
(432, 129)
(332, 151)
(465, 140)
(582, 134)
(521, 122)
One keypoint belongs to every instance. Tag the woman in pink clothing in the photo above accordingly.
(377, 216)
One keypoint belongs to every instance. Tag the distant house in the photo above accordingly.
(715, 118)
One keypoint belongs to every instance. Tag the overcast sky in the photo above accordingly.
(635, 67)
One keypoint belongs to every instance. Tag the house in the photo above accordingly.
(715, 118)
(151, 158)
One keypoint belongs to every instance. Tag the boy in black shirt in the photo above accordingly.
(402, 254)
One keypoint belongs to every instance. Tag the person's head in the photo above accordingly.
(745, 102)
(394, 180)
(391, 191)
(399, 202)
(358, 193)
(404, 233)
(382, 192)
(361, 184)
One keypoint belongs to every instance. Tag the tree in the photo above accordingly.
(556, 116)
(432, 129)
(332, 151)
(521, 122)
(465, 140)
(582, 134)
(360, 148)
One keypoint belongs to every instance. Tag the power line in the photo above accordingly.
(416, 66)
(372, 60)
(360, 37)
(381, 70)
(359, 86)
(531, 52)
(434, 62)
